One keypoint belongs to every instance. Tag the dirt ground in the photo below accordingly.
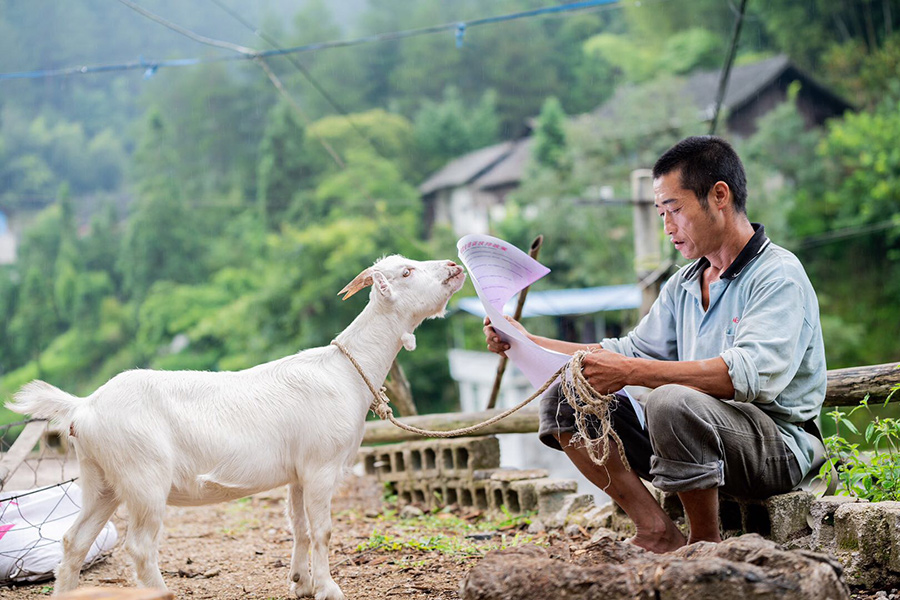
(242, 550)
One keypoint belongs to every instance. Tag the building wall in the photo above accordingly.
(7, 241)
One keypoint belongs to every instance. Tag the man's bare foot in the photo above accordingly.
(666, 541)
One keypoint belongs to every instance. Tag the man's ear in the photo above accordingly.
(721, 194)
(409, 341)
(380, 283)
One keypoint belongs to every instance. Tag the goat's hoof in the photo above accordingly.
(303, 590)
(330, 591)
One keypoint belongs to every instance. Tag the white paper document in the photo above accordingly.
(498, 271)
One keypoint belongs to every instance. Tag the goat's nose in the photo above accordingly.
(451, 264)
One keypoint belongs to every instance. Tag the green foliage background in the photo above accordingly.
(195, 220)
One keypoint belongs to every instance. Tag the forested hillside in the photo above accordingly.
(196, 217)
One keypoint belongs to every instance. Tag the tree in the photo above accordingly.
(68, 267)
(160, 241)
(285, 165)
(368, 186)
(448, 129)
(807, 30)
(35, 322)
(550, 137)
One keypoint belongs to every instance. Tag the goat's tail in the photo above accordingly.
(44, 401)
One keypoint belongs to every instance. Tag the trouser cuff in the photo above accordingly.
(676, 476)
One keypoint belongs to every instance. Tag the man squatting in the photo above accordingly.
(732, 352)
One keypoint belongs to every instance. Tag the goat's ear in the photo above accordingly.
(381, 284)
(359, 282)
(409, 341)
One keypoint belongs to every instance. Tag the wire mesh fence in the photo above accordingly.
(25, 465)
(39, 500)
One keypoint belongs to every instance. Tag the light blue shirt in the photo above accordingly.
(762, 320)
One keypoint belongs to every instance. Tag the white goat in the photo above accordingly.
(151, 438)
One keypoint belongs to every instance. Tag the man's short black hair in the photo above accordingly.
(703, 160)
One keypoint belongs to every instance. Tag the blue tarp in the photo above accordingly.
(582, 301)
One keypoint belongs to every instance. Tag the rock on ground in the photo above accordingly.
(743, 567)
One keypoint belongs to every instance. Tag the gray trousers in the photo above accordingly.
(692, 442)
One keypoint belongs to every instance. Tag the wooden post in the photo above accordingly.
(647, 256)
(501, 366)
(21, 448)
(399, 392)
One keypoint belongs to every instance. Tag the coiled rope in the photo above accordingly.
(576, 389)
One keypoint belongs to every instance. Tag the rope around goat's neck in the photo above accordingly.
(381, 407)
(583, 398)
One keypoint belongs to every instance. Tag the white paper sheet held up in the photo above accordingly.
(498, 271)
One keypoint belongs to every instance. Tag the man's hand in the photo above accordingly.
(606, 371)
(494, 342)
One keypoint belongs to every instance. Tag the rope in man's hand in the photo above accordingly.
(583, 399)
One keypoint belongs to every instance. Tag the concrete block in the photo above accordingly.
(868, 543)
(475, 494)
(459, 458)
(366, 458)
(415, 492)
(450, 492)
(570, 504)
(821, 521)
(780, 518)
(519, 474)
(518, 496)
(786, 515)
(386, 463)
(497, 496)
(485, 474)
(526, 495)
(422, 460)
(552, 494)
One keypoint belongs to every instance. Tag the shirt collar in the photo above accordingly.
(751, 250)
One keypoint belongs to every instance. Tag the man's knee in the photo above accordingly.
(675, 410)
(667, 402)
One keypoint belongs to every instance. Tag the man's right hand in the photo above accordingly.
(494, 342)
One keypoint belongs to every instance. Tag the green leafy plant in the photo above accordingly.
(872, 475)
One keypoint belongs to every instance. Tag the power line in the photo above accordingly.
(304, 71)
(187, 32)
(244, 52)
(726, 71)
(152, 66)
(840, 234)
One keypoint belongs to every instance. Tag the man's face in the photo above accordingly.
(690, 226)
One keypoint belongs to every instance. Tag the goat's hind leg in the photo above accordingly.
(146, 508)
(98, 503)
(301, 581)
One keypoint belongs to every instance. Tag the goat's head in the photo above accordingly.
(420, 289)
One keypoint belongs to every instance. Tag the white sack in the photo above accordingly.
(32, 525)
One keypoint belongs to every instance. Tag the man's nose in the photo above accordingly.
(668, 224)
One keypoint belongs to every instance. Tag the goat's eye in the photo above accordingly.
(407, 272)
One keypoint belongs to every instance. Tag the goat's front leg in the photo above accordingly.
(301, 582)
(317, 500)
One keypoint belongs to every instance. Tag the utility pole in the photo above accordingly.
(647, 255)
